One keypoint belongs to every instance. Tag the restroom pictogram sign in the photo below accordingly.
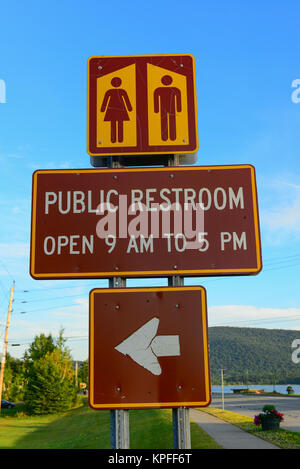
(141, 105)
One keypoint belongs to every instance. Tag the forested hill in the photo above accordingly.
(253, 355)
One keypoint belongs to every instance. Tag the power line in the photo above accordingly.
(269, 265)
(49, 298)
(5, 268)
(280, 319)
(48, 309)
(208, 279)
(266, 263)
(15, 342)
(56, 288)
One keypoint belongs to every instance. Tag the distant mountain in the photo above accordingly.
(252, 355)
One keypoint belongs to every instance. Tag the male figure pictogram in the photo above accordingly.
(167, 101)
(115, 104)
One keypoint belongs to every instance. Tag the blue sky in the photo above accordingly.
(247, 56)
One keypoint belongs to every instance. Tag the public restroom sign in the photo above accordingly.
(141, 105)
(143, 222)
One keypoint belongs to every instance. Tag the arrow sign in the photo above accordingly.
(143, 346)
(126, 344)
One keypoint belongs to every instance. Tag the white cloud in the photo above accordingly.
(284, 218)
(281, 220)
(73, 320)
(252, 316)
(49, 165)
(5, 156)
(79, 309)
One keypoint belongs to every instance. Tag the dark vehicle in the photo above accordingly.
(6, 404)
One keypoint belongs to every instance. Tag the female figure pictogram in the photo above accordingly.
(116, 105)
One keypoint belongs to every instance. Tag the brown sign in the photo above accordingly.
(141, 105)
(101, 223)
(148, 348)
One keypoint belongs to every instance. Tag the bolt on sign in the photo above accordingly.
(145, 222)
(141, 105)
(148, 348)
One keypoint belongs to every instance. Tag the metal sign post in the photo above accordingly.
(181, 415)
(119, 429)
(119, 418)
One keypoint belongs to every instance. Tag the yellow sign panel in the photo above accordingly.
(116, 108)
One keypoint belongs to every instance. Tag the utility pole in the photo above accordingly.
(5, 340)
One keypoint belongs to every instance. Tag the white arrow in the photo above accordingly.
(144, 348)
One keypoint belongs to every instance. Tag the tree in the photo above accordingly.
(13, 379)
(39, 347)
(50, 377)
(83, 372)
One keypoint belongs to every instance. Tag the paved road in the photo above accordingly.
(252, 405)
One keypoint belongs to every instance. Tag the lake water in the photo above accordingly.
(267, 388)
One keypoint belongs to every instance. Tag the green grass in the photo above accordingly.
(282, 438)
(84, 428)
